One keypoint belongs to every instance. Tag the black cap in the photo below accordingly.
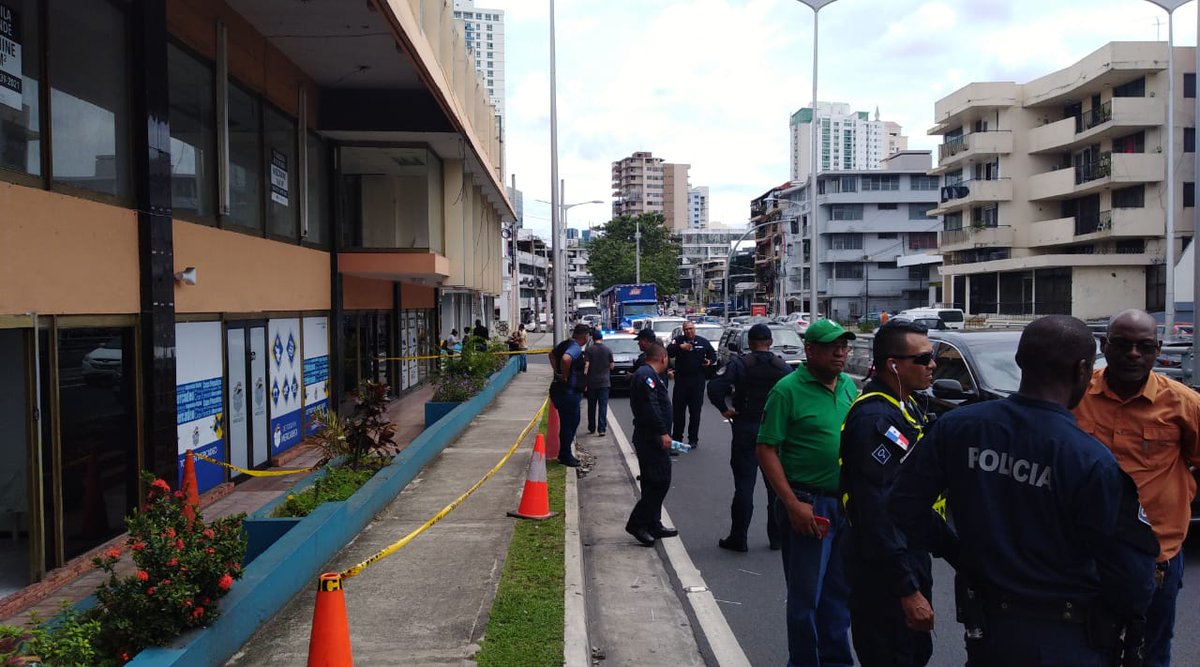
(597, 334)
(759, 332)
(646, 334)
(581, 330)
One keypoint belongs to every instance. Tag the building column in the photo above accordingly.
(152, 184)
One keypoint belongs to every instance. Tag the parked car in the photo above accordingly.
(785, 343)
(800, 320)
(711, 332)
(625, 351)
(103, 364)
(663, 326)
(953, 317)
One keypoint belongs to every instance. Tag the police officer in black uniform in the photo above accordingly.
(693, 355)
(651, 440)
(889, 583)
(747, 380)
(1055, 556)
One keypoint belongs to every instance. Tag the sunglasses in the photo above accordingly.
(1143, 346)
(922, 359)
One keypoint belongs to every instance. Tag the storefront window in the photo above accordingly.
(14, 474)
(20, 128)
(89, 95)
(193, 134)
(245, 160)
(318, 191)
(282, 167)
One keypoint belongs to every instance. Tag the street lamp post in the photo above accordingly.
(559, 327)
(560, 251)
(637, 253)
(816, 6)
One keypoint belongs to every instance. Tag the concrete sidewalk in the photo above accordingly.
(428, 603)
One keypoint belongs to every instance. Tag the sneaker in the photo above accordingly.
(601, 434)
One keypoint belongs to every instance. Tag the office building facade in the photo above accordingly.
(643, 183)
(698, 207)
(848, 140)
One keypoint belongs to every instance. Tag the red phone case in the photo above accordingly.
(822, 526)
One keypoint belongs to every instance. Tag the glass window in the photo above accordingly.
(846, 212)
(20, 128)
(919, 211)
(89, 96)
(193, 116)
(318, 191)
(245, 160)
(922, 182)
(279, 145)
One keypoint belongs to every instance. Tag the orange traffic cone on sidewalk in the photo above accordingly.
(535, 499)
(191, 490)
(329, 643)
(552, 444)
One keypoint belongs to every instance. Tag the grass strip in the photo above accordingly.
(525, 626)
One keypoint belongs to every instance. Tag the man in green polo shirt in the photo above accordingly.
(798, 446)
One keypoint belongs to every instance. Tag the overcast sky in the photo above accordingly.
(712, 83)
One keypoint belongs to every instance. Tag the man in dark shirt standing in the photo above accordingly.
(693, 355)
(566, 390)
(747, 380)
(1054, 553)
(481, 333)
(651, 441)
(599, 360)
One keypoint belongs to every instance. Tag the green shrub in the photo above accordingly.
(338, 483)
(460, 377)
(69, 639)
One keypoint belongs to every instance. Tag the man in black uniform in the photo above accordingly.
(693, 355)
(651, 440)
(889, 583)
(747, 380)
(1054, 553)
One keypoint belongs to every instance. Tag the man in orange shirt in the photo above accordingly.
(1150, 423)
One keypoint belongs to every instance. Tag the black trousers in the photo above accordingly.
(689, 396)
(743, 461)
(877, 619)
(655, 464)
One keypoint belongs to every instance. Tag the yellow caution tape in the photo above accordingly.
(355, 570)
(255, 473)
(543, 350)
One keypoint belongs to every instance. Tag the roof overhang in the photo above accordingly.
(421, 267)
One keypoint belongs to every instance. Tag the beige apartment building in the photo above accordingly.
(1054, 192)
(643, 183)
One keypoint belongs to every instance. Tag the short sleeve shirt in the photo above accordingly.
(599, 357)
(803, 419)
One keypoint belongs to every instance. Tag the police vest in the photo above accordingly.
(756, 381)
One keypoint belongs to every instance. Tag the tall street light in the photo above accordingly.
(729, 260)
(816, 6)
(637, 252)
(1196, 226)
(1169, 307)
(559, 327)
(560, 276)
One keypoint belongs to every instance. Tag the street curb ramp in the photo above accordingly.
(296, 559)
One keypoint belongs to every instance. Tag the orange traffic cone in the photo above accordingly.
(535, 499)
(329, 643)
(552, 444)
(191, 490)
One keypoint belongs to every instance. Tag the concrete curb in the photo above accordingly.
(711, 621)
(577, 650)
(296, 559)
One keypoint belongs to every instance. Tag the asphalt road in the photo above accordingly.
(750, 585)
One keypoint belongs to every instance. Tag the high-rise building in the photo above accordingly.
(643, 183)
(517, 199)
(698, 207)
(849, 140)
(1054, 192)
(484, 35)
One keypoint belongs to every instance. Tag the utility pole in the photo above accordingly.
(560, 322)
(637, 239)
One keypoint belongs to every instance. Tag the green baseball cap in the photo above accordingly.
(826, 331)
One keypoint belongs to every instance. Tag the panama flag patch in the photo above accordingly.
(897, 437)
(650, 382)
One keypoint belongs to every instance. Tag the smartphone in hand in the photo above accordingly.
(822, 526)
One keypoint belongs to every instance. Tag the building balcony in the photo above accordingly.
(953, 240)
(967, 146)
(1117, 223)
(970, 193)
(1118, 116)
(1107, 170)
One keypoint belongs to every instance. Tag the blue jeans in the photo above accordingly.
(1160, 616)
(597, 398)
(744, 464)
(524, 362)
(818, 611)
(567, 404)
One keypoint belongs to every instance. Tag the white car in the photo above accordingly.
(800, 320)
(102, 363)
(663, 326)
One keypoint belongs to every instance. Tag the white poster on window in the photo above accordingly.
(279, 178)
(316, 368)
(199, 398)
(284, 391)
(10, 57)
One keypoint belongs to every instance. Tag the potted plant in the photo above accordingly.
(460, 377)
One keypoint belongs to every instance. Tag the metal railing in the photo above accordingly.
(1094, 116)
(1093, 222)
(1094, 170)
(952, 147)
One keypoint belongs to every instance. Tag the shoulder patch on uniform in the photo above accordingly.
(882, 454)
(650, 382)
(1142, 515)
(721, 370)
(897, 437)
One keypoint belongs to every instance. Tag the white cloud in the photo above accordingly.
(712, 83)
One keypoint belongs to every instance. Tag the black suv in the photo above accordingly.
(785, 343)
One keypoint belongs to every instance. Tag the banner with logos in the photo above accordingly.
(316, 368)
(283, 347)
(199, 399)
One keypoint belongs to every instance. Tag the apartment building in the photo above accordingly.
(534, 279)
(483, 34)
(1054, 194)
(848, 140)
(699, 251)
(580, 284)
(698, 207)
(867, 222)
(218, 217)
(643, 183)
(766, 218)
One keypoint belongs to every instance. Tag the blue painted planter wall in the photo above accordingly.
(295, 559)
(435, 410)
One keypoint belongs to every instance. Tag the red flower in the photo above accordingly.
(237, 567)
(173, 562)
(143, 575)
(170, 532)
(179, 544)
(179, 494)
(113, 553)
(225, 582)
(209, 550)
(165, 582)
(187, 602)
(125, 657)
(150, 591)
(197, 612)
(208, 532)
(138, 546)
(161, 486)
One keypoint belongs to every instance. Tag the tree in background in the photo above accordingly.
(611, 254)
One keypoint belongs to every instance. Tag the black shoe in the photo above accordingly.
(672, 452)
(694, 444)
(641, 535)
(663, 531)
(570, 463)
(775, 545)
(591, 430)
(733, 544)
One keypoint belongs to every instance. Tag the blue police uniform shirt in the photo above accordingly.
(575, 374)
(650, 403)
(691, 362)
(1042, 511)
